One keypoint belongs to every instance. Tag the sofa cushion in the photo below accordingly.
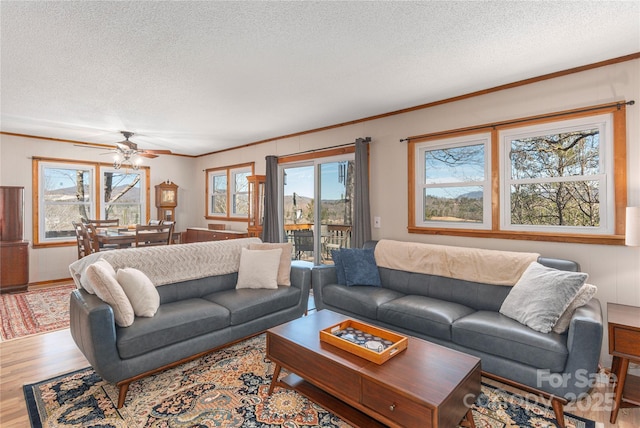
(249, 304)
(359, 267)
(140, 291)
(196, 288)
(174, 322)
(496, 334)
(541, 295)
(585, 294)
(429, 316)
(284, 269)
(481, 297)
(103, 280)
(259, 268)
(359, 299)
(337, 261)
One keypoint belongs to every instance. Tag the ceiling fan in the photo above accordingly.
(127, 152)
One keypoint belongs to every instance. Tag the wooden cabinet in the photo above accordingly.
(200, 234)
(14, 252)
(624, 345)
(14, 269)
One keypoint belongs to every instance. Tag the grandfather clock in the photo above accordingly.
(256, 205)
(167, 200)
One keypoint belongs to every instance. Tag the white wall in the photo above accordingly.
(48, 264)
(614, 269)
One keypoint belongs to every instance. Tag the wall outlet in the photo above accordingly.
(376, 222)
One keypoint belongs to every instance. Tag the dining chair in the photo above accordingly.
(82, 239)
(92, 244)
(102, 223)
(335, 240)
(302, 241)
(147, 236)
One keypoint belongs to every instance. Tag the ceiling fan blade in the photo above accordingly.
(146, 155)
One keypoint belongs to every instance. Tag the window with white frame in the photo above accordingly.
(218, 196)
(453, 186)
(557, 176)
(228, 192)
(66, 194)
(122, 191)
(69, 190)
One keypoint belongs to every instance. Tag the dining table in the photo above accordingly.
(123, 238)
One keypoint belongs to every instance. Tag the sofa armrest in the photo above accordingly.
(584, 342)
(320, 277)
(93, 329)
(301, 278)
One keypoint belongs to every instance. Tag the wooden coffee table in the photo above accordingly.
(426, 385)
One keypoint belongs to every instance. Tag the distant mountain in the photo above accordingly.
(472, 195)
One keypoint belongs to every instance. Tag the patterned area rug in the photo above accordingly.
(34, 312)
(227, 388)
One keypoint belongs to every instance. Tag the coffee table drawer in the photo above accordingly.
(394, 406)
(321, 371)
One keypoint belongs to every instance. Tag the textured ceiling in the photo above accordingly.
(197, 77)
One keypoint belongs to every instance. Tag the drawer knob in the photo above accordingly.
(392, 407)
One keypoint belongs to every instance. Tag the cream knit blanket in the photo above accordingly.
(167, 264)
(470, 264)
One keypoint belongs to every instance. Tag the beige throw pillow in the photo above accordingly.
(141, 292)
(284, 269)
(109, 290)
(86, 285)
(585, 294)
(259, 268)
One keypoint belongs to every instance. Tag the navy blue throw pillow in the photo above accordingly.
(360, 267)
(337, 261)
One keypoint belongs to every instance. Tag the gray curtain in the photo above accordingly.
(270, 232)
(362, 213)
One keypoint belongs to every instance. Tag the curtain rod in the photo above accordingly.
(618, 105)
(358, 140)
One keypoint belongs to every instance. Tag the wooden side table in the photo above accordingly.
(624, 345)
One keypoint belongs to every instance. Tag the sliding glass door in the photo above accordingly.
(316, 206)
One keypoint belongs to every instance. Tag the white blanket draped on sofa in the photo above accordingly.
(167, 264)
(470, 264)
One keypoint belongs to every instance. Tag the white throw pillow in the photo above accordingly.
(284, 269)
(141, 292)
(86, 285)
(259, 268)
(541, 295)
(585, 294)
(108, 289)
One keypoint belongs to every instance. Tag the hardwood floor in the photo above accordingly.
(40, 357)
(28, 360)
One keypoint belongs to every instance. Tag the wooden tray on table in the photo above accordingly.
(364, 340)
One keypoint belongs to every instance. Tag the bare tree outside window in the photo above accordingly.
(555, 179)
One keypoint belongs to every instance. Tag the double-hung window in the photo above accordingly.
(121, 193)
(453, 182)
(557, 177)
(228, 192)
(69, 191)
(65, 194)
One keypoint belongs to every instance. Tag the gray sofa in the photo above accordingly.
(195, 316)
(464, 315)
